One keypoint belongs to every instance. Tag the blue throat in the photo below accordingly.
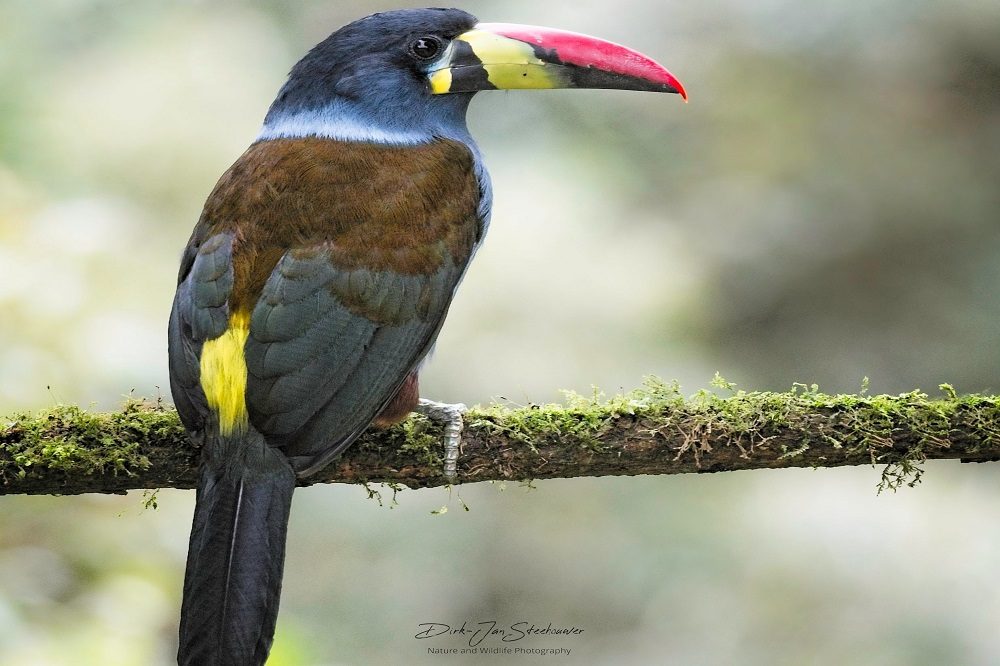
(351, 87)
(390, 115)
(382, 114)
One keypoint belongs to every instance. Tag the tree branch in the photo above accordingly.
(66, 450)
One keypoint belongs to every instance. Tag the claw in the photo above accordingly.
(451, 416)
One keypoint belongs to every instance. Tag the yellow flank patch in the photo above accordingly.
(224, 374)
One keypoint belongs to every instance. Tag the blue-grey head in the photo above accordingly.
(407, 76)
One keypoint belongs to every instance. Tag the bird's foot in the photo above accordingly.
(451, 417)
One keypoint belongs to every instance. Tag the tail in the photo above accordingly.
(236, 555)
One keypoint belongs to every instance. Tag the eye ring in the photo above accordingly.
(426, 47)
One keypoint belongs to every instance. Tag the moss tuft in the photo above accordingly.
(75, 442)
(582, 420)
(871, 427)
(421, 438)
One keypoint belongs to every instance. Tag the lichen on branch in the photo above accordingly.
(652, 430)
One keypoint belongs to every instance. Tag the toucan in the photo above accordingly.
(321, 270)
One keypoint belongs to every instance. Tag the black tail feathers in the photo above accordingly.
(235, 558)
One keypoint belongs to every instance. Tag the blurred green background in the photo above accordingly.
(826, 208)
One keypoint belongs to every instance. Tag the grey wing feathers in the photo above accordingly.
(329, 347)
(199, 313)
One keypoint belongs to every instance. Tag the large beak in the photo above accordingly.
(505, 56)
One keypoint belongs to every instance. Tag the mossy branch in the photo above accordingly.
(654, 430)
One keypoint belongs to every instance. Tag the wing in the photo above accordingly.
(329, 347)
(336, 263)
(199, 313)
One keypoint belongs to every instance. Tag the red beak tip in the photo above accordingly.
(678, 88)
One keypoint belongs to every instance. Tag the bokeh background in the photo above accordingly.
(826, 208)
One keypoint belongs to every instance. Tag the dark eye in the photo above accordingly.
(425, 48)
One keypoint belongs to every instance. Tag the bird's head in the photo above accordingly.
(406, 76)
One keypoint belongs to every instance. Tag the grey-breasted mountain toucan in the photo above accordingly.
(321, 271)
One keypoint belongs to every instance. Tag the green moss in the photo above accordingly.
(867, 426)
(582, 420)
(419, 439)
(374, 493)
(76, 442)
(897, 432)
(150, 499)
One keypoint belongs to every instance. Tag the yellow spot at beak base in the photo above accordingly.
(440, 81)
(224, 374)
